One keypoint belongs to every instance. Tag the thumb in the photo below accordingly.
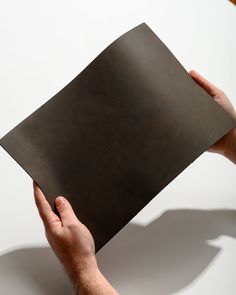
(204, 83)
(65, 210)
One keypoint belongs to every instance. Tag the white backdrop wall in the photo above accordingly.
(184, 241)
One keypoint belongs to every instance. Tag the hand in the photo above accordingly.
(227, 144)
(73, 244)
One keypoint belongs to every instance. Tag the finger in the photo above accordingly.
(65, 210)
(49, 218)
(204, 83)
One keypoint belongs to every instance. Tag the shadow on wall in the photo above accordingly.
(168, 254)
(161, 258)
(33, 271)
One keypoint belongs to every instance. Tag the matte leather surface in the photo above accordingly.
(118, 133)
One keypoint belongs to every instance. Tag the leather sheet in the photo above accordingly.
(118, 133)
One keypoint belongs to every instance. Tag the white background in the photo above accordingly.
(184, 241)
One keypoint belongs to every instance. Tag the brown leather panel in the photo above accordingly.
(118, 133)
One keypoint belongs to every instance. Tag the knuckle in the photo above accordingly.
(62, 207)
(52, 231)
(73, 225)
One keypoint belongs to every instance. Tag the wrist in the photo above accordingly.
(88, 280)
(80, 271)
(87, 269)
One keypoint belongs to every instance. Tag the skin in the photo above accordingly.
(226, 146)
(71, 240)
(73, 244)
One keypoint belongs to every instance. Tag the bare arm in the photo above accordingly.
(226, 146)
(73, 244)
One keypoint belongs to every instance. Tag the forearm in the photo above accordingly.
(92, 282)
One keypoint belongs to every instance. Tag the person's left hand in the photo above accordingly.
(69, 238)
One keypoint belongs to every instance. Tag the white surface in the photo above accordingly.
(184, 241)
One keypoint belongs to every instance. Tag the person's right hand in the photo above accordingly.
(227, 144)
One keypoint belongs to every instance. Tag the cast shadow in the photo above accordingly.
(168, 254)
(161, 258)
(33, 271)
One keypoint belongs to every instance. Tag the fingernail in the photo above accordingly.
(59, 200)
